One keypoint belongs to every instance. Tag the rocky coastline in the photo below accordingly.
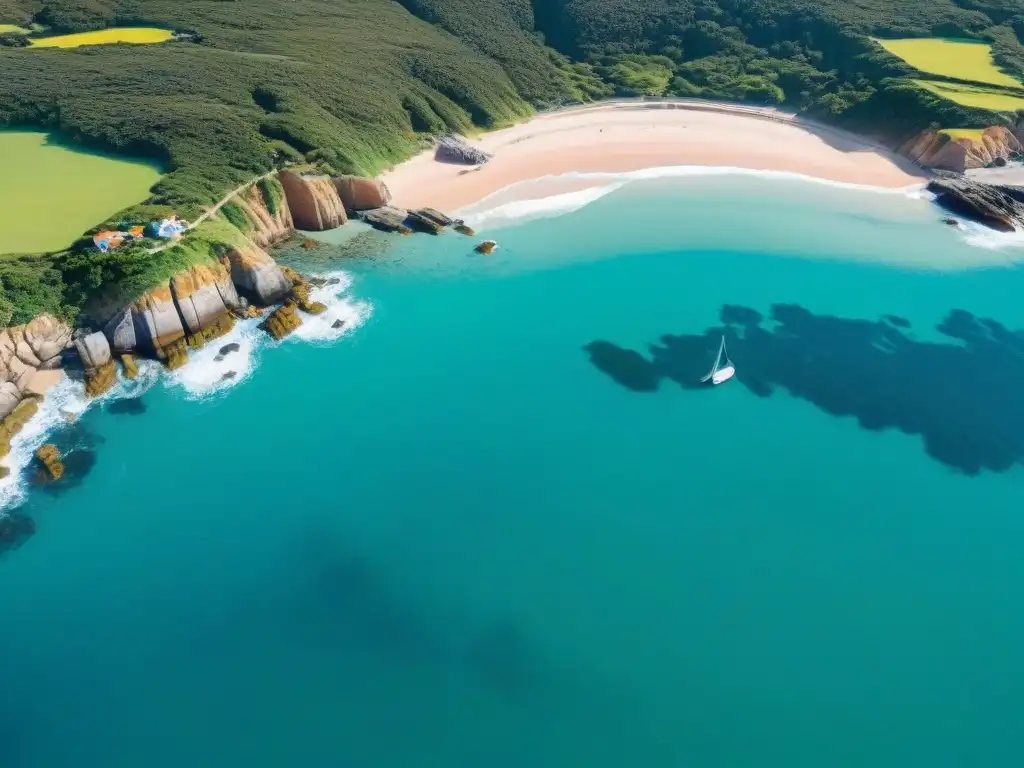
(241, 280)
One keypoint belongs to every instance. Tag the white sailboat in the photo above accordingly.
(723, 369)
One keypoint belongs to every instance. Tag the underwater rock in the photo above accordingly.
(282, 321)
(338, 324)
(487, 247)
(464, 229)
(49, 460)
(226, 350)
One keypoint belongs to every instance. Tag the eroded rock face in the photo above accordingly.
(120, 331)
(267, 228)
(362, 194)
(156, 322)
(313, 201)
(998, 207)
(203, 294)
(455, 149)
(94, 350)
(258, 275)
(25, 352)
(935, 150)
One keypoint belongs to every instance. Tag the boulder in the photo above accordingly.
(361, 194)
(14, 421)
(388, 219)
(94, 350)
(48, 337)
(313, 201)
(120, 331)
(49, 460)
(998, 207)
(99, 380)
(282, 321)
(131, 370)
(455, 149)
(204, 293)
(257, 275)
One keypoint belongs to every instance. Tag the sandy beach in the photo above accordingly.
(617, 137)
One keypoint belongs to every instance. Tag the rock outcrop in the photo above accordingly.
(282, 321)
(49, 462)
(257, 275)
(30, 359)
(455, 149)
(204, 294)
(13, 422)
(998, 207)
(361, 194)
(100, 368)
(937, 150)
(131, 370)
(429, 220)
(267, 228)
(157, 322)
(313, 201)
(300, 293)
(388, 219)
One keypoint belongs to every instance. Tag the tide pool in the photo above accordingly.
(494, 524)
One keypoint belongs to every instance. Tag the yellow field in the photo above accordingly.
(974, 96)
(963, 133)
(950, 58)
(106, 36)
(5, 28)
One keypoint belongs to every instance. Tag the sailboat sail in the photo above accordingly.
(723, 369)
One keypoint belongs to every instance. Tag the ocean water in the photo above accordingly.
(490, 521)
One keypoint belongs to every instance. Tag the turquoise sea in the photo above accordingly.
(494, 523)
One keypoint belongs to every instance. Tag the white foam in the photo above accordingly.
(351, 312)
(982, 237)
(63, 403)
(535, 208)
(205, 375)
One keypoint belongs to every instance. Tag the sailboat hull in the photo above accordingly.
(723, 375)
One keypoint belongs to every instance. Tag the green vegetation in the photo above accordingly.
(51, 192)
(355, 86)
(959, 59)
(233, 213)
(270, 190)
(135, 35)
(974, 134)
(975, 96)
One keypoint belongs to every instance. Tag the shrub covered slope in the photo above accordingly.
(354, 85)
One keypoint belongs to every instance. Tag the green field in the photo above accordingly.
(50, 193)
(950, 58)
(974, 134)
(974, 96)
(105, 37)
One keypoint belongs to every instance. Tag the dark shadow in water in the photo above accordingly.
(506, 662)
(129, 406)
(962, 398)
(15, 529)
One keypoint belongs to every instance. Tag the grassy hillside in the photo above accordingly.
(355, 85)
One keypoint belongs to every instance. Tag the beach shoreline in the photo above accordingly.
(620, 137)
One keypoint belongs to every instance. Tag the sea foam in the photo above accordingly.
(202, 377)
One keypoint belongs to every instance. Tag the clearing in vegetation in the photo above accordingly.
(105, 37)
(961, 59)
(974, 134)
(6, 29)
(974, 96)
(51, 193)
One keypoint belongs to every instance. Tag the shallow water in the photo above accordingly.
(52, 192)
(462, 535)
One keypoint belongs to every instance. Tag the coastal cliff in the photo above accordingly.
(313, 200)
(269, 214)
(935, 149)
(30, 359)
